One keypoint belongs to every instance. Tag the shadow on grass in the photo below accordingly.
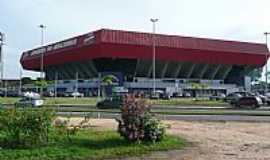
(94, 140)
(98, 144)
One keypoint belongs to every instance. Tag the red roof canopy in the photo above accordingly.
(107, 43)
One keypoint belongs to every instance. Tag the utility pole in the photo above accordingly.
(99, 86)
(2, 37)
(266, 58)
(20, 87)
(42, 28)
(76, 84)
(154, 53)
(55, 84)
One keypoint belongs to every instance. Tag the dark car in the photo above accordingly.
(48, 94)
(249, 102)
(166, 96)
(12, 94)
(110, 103)
(236, 95)
(2, 93)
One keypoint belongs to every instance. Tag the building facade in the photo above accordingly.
(180, 61)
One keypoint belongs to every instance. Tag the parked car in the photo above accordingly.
(61, 94)
(236, 95)
(166, 96)
(110, 103)
(29, 102)
(49, 94)
(73, 94)
(12, 94)
(30, 94)
(264, 98)
(2, 93)
(186, 94)
(217, 96)
(77, 94)
(250, 102)
(157, 94)
(154, 96)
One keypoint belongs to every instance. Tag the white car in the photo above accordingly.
(31, 95)
(77, 94)
(29, 102)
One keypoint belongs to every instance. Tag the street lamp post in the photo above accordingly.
(154, 53)
(266, 57)
(42, 28)
(55, 84)
(1, 55)
(20, 85)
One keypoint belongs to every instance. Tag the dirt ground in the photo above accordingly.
(211, 140)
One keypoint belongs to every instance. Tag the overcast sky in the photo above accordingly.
(243, 20)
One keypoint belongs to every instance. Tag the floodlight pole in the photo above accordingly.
(20, 86)
(76, 84)
(154, 53)
(55, 84)
(42, 28)
(1, 58)
(266, 58)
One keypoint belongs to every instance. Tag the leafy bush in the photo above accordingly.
(25, 128)
(137, 123)
(154, 130)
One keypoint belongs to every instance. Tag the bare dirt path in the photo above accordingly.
(212, 140)
(225, 141)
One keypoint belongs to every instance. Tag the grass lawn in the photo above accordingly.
(81, 101)
(59, 100)
(93, 101)
(187, 101)
(8, 100)
(91, 144)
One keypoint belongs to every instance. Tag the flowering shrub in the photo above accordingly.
(137, 123)
(154, 130)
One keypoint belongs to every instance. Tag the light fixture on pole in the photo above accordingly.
(55, 84)
(154, 53)
(2, 39)
(266, 58)
(20, 85)
(42, 28)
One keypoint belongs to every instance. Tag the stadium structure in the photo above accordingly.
(79, 62)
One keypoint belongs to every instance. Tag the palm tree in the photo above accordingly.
(108, 80)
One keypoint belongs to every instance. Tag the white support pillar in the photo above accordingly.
(163, 72)
(203, 71)
(191, 70)
(137, 66)
(177, 70)
(149, 71)
(226, 72)
(215, 72)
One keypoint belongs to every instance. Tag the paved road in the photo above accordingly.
(178, 117)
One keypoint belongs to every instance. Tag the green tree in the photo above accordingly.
(26, 80)
(256, 74)
(108, 80)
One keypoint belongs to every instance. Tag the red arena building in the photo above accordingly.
(180, 61)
